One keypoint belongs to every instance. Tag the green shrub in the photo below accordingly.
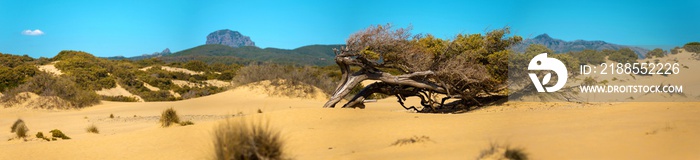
(196, 65)
(624, 55)
(675, 50)
(92, 129)
(589, 56)
(240, 140)
(169, 117)
(19, 128)
(188, 92)
(39, 135)
(657, 52)
(86, 70)
(58, 134)
(692, 47)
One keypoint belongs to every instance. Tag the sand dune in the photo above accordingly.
(544, 130)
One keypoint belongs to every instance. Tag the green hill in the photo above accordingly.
(318, 55)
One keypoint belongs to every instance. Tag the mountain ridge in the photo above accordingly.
(319, 55)
(561, 46)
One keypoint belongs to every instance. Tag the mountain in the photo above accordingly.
(562, 46)
(230, 38)
(320, 55)
(165, 51)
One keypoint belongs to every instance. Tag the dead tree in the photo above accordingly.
(471, 68)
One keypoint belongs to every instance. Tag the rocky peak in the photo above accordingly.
(543, 37)
(165, 51)
(230, 38)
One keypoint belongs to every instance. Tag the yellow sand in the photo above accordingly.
(150, 87)
(544, 130)
(174, 69)
(552, 130)
(118, 91)
(50, 68)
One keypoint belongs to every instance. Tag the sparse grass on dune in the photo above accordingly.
(414, 139)
(169, 117)
(298, 80)
(239, 139)
(185, 123)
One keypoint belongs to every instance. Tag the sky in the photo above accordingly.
(130, 28)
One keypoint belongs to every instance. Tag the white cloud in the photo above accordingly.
(30, 32)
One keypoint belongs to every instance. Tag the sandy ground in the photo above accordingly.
(118, 91)
(51, 68)
(651, 130)
(174, 69)
(215, 83)
(150, 87)
(544, 130)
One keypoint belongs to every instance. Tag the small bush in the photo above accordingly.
(111, 115)
(657, 52)
(692, 47)
(19, 128)
(184, 123)
(40, 135)
(92, 129)
(240, 140)
(169, 117)
(58, 134)
(624, 55)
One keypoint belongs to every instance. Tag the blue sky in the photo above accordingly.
(129, 28)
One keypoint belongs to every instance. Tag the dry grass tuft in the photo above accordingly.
(414, 139)
(92, 129)
(238, 139)
(19, 128)
(185, 123)
(169, 117)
